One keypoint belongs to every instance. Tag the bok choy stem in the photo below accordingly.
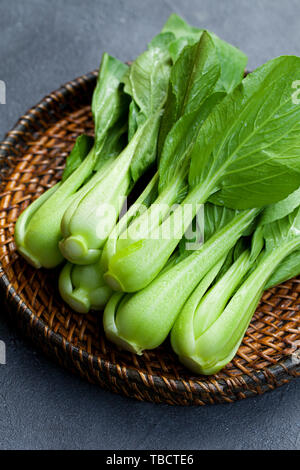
(209, 329)
(217, 345)
(144, 319)
(82, 287)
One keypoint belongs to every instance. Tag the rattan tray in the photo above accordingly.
(32, 158)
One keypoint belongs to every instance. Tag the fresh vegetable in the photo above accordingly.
(88, 221)
(203, 65)
(290, 266)
(233, 61)
(144, 319)
(82, 287)
(193, 93)
(246, 155)
(37, 231)
(193, 106)
(210, 327)
(219, 220)
(85, 229)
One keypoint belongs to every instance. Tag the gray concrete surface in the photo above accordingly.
(42, 45)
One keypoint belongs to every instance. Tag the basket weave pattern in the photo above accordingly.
(32, 159)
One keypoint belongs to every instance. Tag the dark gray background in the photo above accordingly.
(42, 45)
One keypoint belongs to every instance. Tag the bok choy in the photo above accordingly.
(89, 220)
(37, 231)
(194, 91)
(191, 100)
(144, 319)
(211, 143)
(83, 288)
(246, 155)
(210, 328)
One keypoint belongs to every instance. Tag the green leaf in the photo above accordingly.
(179, 28)
(109, 102)
(176, 47)
(257, 242)
(282, 230)
(146, 150)
(180, 140)
(82, 146)
(192, 79)
(215, 218)
(194, 75)
(233, 61)
(114, 142)
(233, 64)
(249, 145)
(162, 41)
(147, 80)
(288, 268)
(280, 209)
(132, 120)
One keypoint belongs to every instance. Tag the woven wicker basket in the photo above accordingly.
(32, 159)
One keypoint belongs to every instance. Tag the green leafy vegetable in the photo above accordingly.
(37, 231)
(143, 320)
(255, 143)
(81, 149)
(210, 328)
(287, 269)
(219, 220)
(280, 209)
(233, 61)
(85, 229)
(246, 155)
(82, 287)
(189, 103)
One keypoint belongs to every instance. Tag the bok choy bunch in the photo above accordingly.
(245, 155)
(211, 142)
(210, 327)
(194, 99)
(144, 319)
(196, 87)
(89, 220)
(83, 286)
(38, 231)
